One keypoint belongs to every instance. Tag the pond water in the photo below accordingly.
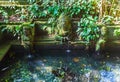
(59, 66)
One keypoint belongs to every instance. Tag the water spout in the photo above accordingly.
(68, 50)
(29, 56)
(66, 41)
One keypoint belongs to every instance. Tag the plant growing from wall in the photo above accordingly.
(108, 19)
(116, 32)
(23, 14)
(58, 16)
(101, 41)
(31, 1)
(88, 30)
(70, 9)
(19, 30)
(34, 10)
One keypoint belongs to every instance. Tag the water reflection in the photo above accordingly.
(63, 68)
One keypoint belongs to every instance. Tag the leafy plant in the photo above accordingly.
(116, 32)
(4, 15)
(54, 10)
(34, 10)
(101, 41)
(107, 19)
(88, 29)
(15, 29)
(98, 44)
(23, 13)
(74, 9)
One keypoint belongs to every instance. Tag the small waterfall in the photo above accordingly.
(29, 56)
(29, 51)
(68, 51)
(67, 42)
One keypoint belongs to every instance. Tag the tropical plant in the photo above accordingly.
(15, 29)
(34, 10)
(18, 30)
(3, 15)
(88, 29)
(89, 32)
(23, 13)
(31, 1)
(107, 19)
(99, 44)
(56, 15)
(116, 32)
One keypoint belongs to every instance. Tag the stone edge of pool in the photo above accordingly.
(4, 49)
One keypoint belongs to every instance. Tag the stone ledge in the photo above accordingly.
(4, 49)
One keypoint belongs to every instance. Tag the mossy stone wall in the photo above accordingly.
(0, 35)
(110, 32)
(112, 44)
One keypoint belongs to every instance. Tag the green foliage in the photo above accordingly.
(116, 32)
(34, 10)
(107, 19)
(23, 13)
(31, 1)
(101, 41)
(54, 10)
(15, 29)
(88, 29)
(85, 10)
(98, 44)
(83, 7)
(4, 14)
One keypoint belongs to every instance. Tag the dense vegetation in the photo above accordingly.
(60, 16)
(68, 22)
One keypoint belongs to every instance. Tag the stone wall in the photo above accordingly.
(110, 32)
(112, 44)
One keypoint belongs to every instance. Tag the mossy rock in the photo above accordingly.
(64, 25)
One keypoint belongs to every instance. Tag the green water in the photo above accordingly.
(39, 68)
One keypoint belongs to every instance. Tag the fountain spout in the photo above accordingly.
(67, 42)
(28, 48)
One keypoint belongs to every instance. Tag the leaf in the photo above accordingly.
(88, 30)
(3, 29)
(32, 25)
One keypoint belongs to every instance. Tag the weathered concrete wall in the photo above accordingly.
(110, 32)
(113, 42)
